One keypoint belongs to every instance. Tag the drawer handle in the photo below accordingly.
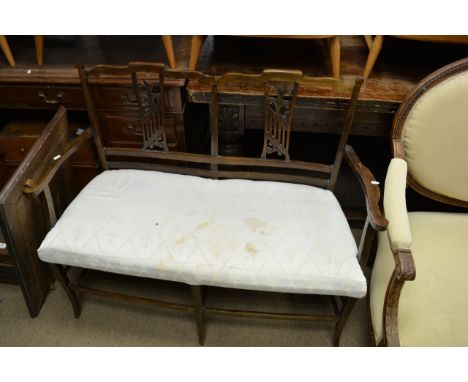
(54, 101)
(22, 150)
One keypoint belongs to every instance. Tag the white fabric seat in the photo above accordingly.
(242, 234)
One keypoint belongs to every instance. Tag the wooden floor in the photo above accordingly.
(400, 66)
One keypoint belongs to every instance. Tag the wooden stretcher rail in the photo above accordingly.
(222, 160)
(251, 175)
(218, 311)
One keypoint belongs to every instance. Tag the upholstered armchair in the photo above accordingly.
(419, 284)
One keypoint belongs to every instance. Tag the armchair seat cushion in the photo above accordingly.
(433, 308)
(242, 234)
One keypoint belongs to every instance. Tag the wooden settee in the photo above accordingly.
(269, 223)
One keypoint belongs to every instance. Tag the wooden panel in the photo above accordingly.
(24, 219)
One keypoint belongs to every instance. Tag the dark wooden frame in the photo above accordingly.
(280, 89)
(23, 217)
(405, 269)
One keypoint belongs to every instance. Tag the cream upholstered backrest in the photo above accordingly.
(434, 133)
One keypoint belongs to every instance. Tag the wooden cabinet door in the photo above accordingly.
(24, 219)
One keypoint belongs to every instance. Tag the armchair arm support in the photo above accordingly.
(370, 187)
(399, 236)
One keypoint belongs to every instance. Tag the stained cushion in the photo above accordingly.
(243, 234)
(433, 308)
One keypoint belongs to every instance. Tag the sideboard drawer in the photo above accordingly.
(42, 96)
(125, 130)
(118, 97)
(16, 149)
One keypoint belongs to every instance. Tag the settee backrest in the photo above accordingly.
(278, 90)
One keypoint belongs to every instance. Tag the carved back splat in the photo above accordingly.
(280, 100)
(150, 98)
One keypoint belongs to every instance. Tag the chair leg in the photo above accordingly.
(6, 50)
(169, 48)
(373, 54)
(39, 42)
(197, 43)
(198, 306)
(62, 277)
(334, 47)
(345, 311)
(369, 40)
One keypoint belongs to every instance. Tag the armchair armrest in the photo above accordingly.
(398, 230)
(370, 187)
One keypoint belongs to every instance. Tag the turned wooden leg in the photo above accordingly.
(197, 43)
(6, 50)
(334, 47)
(373, 54)
(198, 306)
(62, 277)
(369, 41)
(39, 42)
(169, 48)
(345, 311)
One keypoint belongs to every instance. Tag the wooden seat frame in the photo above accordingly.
(278, 91)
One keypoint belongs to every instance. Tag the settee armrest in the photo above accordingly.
(370, 187)
(41, 179)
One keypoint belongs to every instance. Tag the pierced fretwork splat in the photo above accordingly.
(280, 99)
(150, 98)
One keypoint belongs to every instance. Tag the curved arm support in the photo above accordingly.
(370, 188)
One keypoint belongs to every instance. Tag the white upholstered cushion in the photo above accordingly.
(433, 308)
(230, 233)
(436, 136)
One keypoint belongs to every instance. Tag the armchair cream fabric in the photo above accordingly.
(418, 293)
(398, 229)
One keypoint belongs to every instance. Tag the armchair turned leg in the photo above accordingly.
(62, 277)
(373, 54)
(334, 47)
(198, 306)
(197, 43)
(6, 50)
(345, 311)
(169, 48)
(39, 42)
